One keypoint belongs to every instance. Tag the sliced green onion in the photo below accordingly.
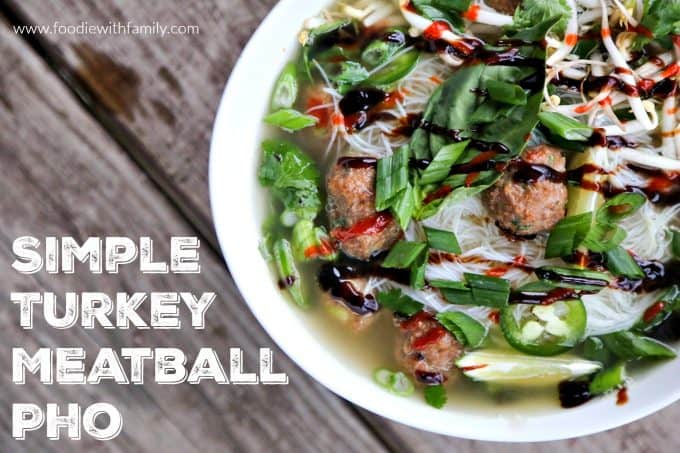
(398, 302)
(565, 127)
(396, 382)
(445, 241)
(286, 88)
(404, 206)
(602, 237)
(628, 345)
(435, 396)
(391, 178)
(480, 290)
(310, 242)
(467, 330)
(567, 235)
(289, 276)
(417, 277)
(675, 243)
(608, 379)
(290, 120)
(440, 166)
(451, 284)
(403, 254)
(508, 93)
(395, 70)
(619, 207)
(619, 262)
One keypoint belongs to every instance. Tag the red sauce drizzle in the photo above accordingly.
(494, 316)
(474, 367)
(438, 194)
(436, 30)
(622, 396)
(472, 13)
(652, 311)
(431, 336)
(369, 225)
(497, 271)
(322, 249)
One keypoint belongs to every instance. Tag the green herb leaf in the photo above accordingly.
(535, 12)
(567, 235)
(350, 74)
(565, 127)
(467, 330)
(440, 166)
(291, 177)
(508, 93)
(443, 10)
(435, 396)
(381, 50)
(290, 120)
(445, 241)
(403, 254)
(619, 262)
(398, 302)
(629, 346)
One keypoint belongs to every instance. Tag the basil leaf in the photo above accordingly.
(398, 302)
(290, 120)
(619, 262)
(535, 12)
(448, 11)
(567, 235)
(467, 330)
(440, 166)
(629, 346)
(508, 93)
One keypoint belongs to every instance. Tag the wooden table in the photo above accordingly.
(108, 135)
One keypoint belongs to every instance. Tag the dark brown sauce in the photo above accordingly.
(574, 393)
(336, 278)
(542, 298)
(547, 274)
(657, 276)
(286, 282)
(357, 162)
(361, 100)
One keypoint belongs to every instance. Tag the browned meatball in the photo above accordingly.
(526, 208)
(504, 6)
(426, 348)
(360, 231)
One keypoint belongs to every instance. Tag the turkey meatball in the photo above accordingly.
(360, 231)
(526, 208)
(426, 349)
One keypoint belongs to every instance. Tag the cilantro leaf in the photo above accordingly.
(292, 178)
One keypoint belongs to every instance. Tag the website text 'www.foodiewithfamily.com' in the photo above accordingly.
(112, 28)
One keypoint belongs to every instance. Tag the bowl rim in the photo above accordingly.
(238, 242)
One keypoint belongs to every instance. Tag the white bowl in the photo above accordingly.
(237, 206)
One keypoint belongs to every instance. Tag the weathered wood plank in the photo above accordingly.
(156, 95)
(61, 174)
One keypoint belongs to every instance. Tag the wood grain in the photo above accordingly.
(156, 95)
(61, 174)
